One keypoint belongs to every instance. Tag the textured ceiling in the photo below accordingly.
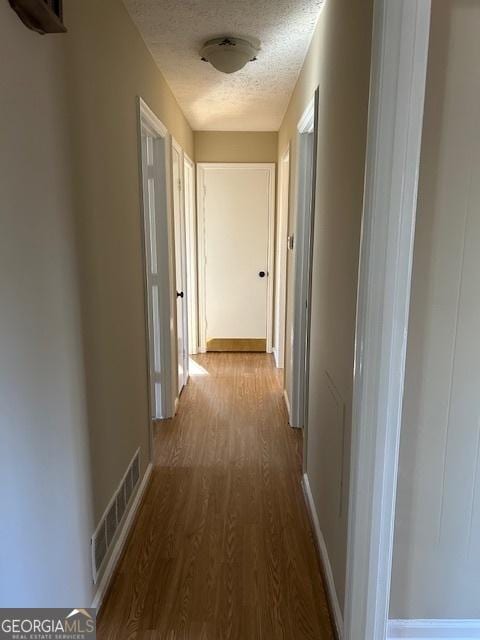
(253, 99)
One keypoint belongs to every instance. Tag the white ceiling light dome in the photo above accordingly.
(228, 54)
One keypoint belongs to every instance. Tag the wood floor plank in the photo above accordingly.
(222, 548)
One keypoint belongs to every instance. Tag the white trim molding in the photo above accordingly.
(287, 404)
(397, 91)
(434, 629)
(307, 120)
(150, 120)
(202, 167)
(115, 556)
(335, 608)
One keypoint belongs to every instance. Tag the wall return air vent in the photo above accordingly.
(113, 517)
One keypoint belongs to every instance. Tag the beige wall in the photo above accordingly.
(72, 331)
(109, 66)
(338, 62)
(436, 565)
(236, 146)
(46, 502)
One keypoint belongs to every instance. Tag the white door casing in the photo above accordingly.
(181, 291)
(397, 91)
(235, 233)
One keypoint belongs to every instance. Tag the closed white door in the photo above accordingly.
(237, 222)
(180, 267)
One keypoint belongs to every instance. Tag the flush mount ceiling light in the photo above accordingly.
(228, 54)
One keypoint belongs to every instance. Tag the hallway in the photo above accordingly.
(222, 546)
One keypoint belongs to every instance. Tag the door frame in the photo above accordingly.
(148, 122)
(181, 187)
(302, 262)
(191, 243)
(281, 258)
(395, 122)
(202, 168)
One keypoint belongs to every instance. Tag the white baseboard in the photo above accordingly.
(434, 629)
(336, 610)
(287, 403)
(120, 543)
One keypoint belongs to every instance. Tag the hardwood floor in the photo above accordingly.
(222, 548)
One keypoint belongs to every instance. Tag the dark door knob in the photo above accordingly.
(262, 274)
(179, 294)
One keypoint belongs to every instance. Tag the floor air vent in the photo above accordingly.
(113, 516)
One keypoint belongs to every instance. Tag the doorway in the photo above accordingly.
(281, 260)
(236, 224)
(302, 256)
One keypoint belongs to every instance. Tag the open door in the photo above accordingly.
(281, 260)
(154, 163)
(180, 265)
(191, 243)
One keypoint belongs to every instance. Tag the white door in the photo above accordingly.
(237, 225)
(180, 266)
(281, 260)
(191, 253)
(152, 274)
(156, 269)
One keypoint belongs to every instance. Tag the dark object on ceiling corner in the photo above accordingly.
(42, 16)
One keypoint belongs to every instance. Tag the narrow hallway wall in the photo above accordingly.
(73, 382)
(108, 67)
(236, 146)
(45, 493)
(338, 62)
